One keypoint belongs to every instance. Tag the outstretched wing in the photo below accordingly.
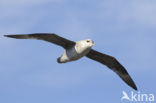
(50, 37)
(113, 64)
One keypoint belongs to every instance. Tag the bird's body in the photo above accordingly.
(77, 50)
(80, 49)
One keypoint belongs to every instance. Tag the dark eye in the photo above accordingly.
(88, 41)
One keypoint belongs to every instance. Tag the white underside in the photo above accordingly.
(74, 53)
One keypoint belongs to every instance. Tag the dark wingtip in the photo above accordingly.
(9, 36)
(6, 35)
(130, 82)
(58, 60)
(16, 36)
(134, 87)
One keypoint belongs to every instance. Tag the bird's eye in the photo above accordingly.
(88, 41)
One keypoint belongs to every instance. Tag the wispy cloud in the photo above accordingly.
(141, 11)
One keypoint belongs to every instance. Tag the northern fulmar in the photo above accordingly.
(79, 49)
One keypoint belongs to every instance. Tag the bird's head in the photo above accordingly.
(88, 43)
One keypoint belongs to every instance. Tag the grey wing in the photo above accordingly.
(50, 37)
(113, 64)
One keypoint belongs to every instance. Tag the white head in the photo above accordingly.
(88, 43)
(83, 47)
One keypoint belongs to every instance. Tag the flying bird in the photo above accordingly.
(79, 49)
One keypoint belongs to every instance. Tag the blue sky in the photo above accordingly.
(29, 72)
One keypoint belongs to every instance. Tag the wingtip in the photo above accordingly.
(8, 36)
(132, 84)
(5, 35)
(129, 81)
(58, 60)
(13, 36)
(135, 88)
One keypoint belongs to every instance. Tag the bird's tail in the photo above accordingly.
(59, 60)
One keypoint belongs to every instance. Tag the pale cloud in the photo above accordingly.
(145, 12)
(74, 27)
(141, 11)
(54, 80)
(23, 16)
(17, 3)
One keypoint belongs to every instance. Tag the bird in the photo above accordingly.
(77, 50)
